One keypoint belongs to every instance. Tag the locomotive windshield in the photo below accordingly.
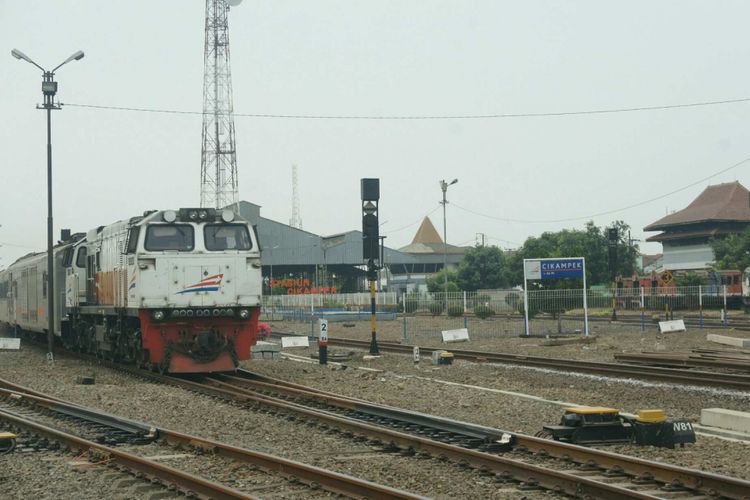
(227, 237)
(169, 237)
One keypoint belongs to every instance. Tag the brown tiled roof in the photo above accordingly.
(722, 202)
(427, 233)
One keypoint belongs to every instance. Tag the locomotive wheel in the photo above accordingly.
(7, 445)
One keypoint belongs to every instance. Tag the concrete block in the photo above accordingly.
(733, 341)
(8, 343)
(726, 419)
(676, 325)
(297, 341)
(460, 335)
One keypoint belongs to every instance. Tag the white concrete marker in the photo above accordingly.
(676, 325)
(460, 335)
(8, 343)
(299, 341)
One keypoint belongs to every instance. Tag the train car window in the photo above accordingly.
(67, 259)
(133, 239)
(169, 237)
(227, 237)
(81, 258)
(736, 279)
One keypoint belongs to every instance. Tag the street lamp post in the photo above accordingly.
(49, 89)
(444, 187)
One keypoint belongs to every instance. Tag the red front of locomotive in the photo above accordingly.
(198, 340)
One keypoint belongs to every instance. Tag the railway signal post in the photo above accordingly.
(370, 190)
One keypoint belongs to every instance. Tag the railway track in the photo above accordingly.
(640, 477)
(40, 419)
(673, 375)
(526, 461)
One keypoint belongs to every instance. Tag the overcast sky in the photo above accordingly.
(348, 57)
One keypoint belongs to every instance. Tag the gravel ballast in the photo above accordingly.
(187, 412)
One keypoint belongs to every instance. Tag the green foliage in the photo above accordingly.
(732, 251)
(436, 282)
(332, 303)
(483, 312)
(689, 279)
(483, 267)
(512, 299)
(455, 310)
(436, 307)
(279, 290)
(411, 302)
(590, 243)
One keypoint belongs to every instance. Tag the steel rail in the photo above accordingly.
(690, 377)
(186, 482)
(329, 480)
(704, 482)
(505, 468)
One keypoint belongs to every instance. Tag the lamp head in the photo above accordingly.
(19, 55)
(453, 182)
(75, 57)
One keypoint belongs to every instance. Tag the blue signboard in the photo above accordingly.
(561, 268)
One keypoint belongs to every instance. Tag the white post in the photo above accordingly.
(525, 302)
(725, 299)
(464, 301)
(643, 299)
(700, 297)
(585, 304)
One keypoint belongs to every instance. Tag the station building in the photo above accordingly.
(302, 262)
(685, 235)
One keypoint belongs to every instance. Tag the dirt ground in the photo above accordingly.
(611, 338)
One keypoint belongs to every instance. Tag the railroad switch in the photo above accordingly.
(598, 425)
(442, 357)
(7, 442)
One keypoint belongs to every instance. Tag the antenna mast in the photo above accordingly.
(296, 220)
(218, 154)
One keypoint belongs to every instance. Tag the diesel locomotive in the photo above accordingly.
(173, 290)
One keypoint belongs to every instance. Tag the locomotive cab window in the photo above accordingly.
(81, 258)
(169, 237)
(227, 237)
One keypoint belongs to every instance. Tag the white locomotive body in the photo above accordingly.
(175, 289)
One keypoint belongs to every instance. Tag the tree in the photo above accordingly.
(590, 243)
(689, 279)
(732, 251)
(483, 267)
(436, 282)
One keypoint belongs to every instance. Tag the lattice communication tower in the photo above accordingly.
(218, 154)
(296, 220)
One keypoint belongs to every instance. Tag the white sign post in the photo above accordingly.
(323, 330)
(416, 353)
(541, 269)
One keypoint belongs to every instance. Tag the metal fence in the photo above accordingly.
(500, 313)
(339, 306)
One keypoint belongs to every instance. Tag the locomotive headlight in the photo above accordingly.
(227, 215)
(193, 214)
(158, 315)
(203, 214)
(169, 216)
(244, 314)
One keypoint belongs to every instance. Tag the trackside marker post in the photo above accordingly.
(416, 354)
(323, 341)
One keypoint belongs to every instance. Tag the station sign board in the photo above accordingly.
(547, 269)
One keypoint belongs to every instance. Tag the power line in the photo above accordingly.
(415, 222)
(426, 117)
(607, 212)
